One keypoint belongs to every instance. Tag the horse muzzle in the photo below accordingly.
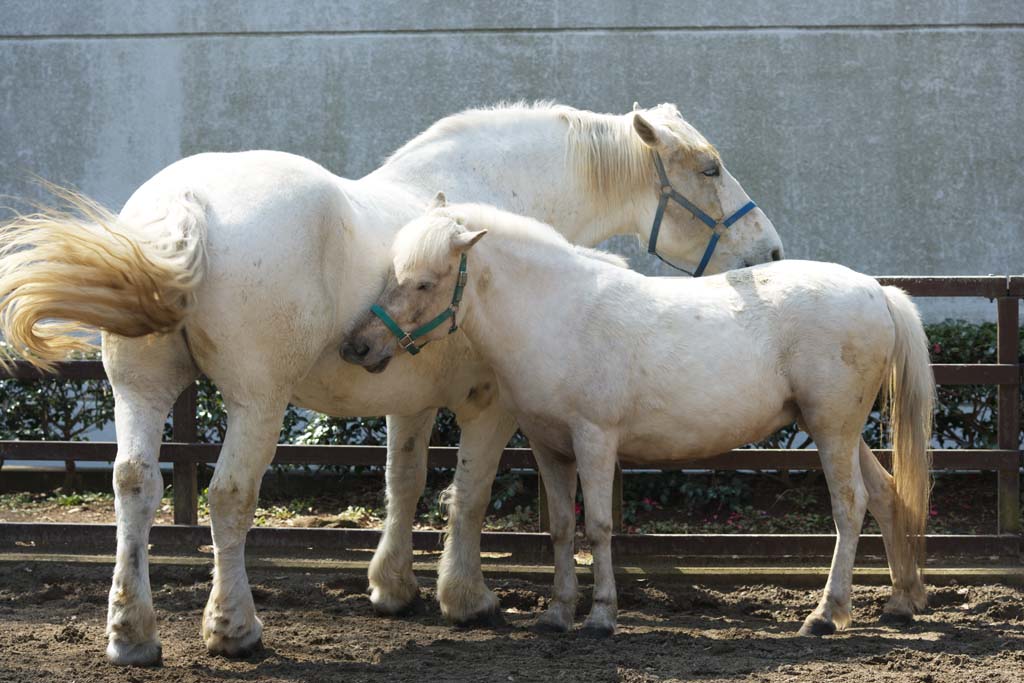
(358, 353)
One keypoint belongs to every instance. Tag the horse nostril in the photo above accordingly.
(355, 350)
(776, 254)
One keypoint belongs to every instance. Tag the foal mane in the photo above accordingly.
(512, 227)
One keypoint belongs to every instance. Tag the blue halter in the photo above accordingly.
(717, 227)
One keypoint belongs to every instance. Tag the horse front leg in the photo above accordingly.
(147, 376)
(840, 460)
(230, 625)
(596, 457)
(560, 483)
(461, 590)
(393, 587)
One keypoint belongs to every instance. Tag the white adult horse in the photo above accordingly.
(251, 268)
(594, 360)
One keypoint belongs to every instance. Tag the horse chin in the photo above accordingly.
(379, 366)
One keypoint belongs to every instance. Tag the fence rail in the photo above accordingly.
(1005, 460)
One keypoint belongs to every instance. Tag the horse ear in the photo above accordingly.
(462, 241)
(636, 106)
(438, 201)
(652, 134)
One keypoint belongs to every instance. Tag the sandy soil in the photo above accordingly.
(319, 627)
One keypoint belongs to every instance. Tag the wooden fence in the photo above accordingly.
(1005, 460)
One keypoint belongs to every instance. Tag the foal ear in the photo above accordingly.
(652, 134)
(462, 241)
(438, 201)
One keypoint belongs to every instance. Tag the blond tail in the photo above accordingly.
(910, 394)
(67, 269)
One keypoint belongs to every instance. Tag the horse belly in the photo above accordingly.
(407, 386)
(711, 424)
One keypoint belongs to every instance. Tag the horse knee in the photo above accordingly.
(135, 476)
(231, 496)
(599, 531)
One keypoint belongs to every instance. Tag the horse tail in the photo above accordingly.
(909, 398)
(76, 266)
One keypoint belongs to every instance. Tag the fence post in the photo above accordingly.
(543, 518)
(186, 474)
(1008, 413)
(617, 500)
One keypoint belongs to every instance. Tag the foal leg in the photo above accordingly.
(908, 593)
(146, 375)
(840, 460)
(230, 625)
(560, 483)
(393, 587)
(596, 455)
(461, 589)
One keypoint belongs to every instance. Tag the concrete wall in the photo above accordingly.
(886, 136)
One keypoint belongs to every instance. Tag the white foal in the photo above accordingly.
(251, 267)
(595, 360)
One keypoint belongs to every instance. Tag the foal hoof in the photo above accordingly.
(897, 619)
(546, 628)
(416, 607)
(817, 626)
(596, 632)
(135, 654)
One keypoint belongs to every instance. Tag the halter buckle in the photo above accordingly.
(463, 278)
(407, 342)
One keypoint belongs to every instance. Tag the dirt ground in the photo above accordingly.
(319, 627)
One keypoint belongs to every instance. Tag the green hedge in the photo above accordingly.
(72, 409)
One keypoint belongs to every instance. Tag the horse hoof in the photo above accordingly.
(817, 626)
(416, 607)
(897, 619)
(234, 650)
(138, 654)
(492, 619)
(596, 632)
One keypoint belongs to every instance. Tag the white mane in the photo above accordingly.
(603, 150)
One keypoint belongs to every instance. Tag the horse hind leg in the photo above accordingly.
(841, 464)
(146, 375)
(230, 625)
(908, 594)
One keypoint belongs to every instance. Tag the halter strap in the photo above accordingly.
(407, 340)
(717, 227)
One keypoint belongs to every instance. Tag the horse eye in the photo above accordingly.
(712, 172)
(425, 286)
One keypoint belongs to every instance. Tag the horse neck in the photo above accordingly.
(507, 298)
(519, 165)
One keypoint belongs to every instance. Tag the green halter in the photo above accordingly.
(407, 340)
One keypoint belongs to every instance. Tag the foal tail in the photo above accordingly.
(909, 394)
(77, 266)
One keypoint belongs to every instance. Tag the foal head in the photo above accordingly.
(425, 277)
